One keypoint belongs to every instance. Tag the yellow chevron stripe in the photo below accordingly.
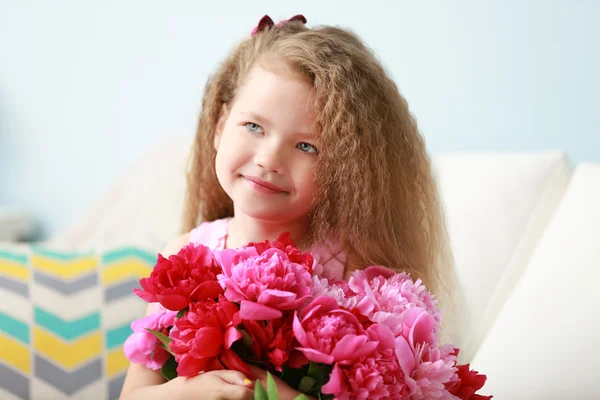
(64, 269)
(69, 354)
(14, 270)
(116, 362)
(15, 354)
(124, 269)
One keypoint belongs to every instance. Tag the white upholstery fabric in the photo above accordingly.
(497, 205)
(545, 343)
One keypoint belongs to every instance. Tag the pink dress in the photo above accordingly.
(213, 234)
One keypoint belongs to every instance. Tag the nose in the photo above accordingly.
(270, 156)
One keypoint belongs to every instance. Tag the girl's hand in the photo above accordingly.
(216, 385)
(284, 390)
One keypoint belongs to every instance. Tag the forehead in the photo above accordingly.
(276, 92)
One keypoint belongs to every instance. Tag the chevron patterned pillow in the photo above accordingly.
(64, 318)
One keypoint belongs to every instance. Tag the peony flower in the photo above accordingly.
(188, 276)
(339, 290)
(284, 243)
(384, 296)
(375, 376)
(273, 343)
(468, 382)
(204, 334)
(265, 284)
(328, 334)
(141, 347)
(427, 369)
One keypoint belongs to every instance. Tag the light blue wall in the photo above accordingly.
(86, 87)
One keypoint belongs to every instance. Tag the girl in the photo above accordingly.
(302, 131)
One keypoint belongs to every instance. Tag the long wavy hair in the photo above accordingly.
(377, 196)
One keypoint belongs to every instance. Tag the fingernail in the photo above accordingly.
(247, 381)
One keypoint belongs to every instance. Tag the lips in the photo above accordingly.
(264, 184)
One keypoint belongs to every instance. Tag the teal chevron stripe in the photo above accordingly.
(117, 336)
(15, 328)
(60, 255)
(119, 254)
(68, 330)
(18, 258)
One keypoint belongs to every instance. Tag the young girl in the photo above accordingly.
(302, 131)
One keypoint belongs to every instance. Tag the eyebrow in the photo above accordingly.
(265, 121)
(256, 117)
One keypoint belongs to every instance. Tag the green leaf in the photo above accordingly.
(259, 392)
(306, 384)
(272, 388)
(169, 370)
(164, 346)
(161, 336)
(301, 397)
(180, 313)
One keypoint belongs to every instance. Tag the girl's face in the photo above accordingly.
(266, 148)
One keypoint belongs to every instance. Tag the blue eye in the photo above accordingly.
(252, 127)
(306, 147)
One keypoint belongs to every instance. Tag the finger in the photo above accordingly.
(233, 377)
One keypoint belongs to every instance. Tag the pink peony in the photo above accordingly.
(204, 335)
(428, 369)
(264, 284)
(339, 290)
(284, 243)
(376, 376)
(329, 334)
(384, 296)
(141, 347)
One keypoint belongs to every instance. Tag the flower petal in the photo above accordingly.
(148, 297)
(334, 386)
(405, 355)
(232, 361)
(316, 356)
(190, 366)
(353, 347)
(255, 311)
(173, 302)
(231, 335)
(274, 296)
(299, 331)
(208, 342)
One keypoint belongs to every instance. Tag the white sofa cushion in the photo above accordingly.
(497, 205)
(545, 343)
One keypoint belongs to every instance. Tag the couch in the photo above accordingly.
(524, 230)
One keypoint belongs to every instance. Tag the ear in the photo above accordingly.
(220, 126)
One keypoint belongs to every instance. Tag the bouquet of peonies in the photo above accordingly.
(265, 304)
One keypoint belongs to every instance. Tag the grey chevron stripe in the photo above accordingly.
(67, 287)
(65, 381)
(14, 286)
(121, 289)
(114, 387)
(14, 383)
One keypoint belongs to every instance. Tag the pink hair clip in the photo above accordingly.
(266, 21)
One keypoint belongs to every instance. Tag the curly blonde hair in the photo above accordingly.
(377, 197)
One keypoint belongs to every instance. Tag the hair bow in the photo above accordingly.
(266, 21)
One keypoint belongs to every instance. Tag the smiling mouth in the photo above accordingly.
(263, 186)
